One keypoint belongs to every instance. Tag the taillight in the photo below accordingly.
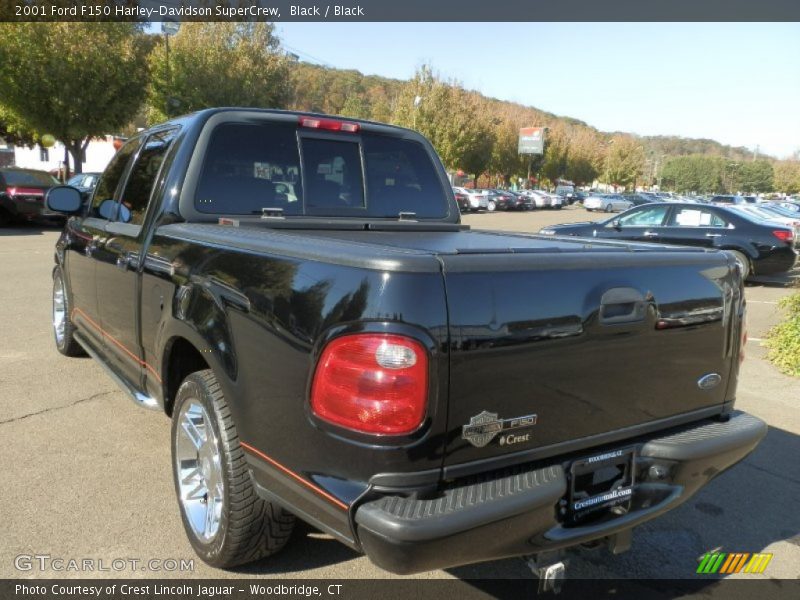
(329, 124)
(372, 383)
(11, 191)
(784, 235)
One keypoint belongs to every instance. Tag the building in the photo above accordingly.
(98, 154)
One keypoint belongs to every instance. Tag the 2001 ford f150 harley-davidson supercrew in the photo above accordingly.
(297, 292)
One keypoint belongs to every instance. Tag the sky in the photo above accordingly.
(737, 83)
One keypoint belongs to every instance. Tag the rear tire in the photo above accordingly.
(63, 328)
(226, 521)
(743, 262)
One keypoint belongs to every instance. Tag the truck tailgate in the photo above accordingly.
(549, 348)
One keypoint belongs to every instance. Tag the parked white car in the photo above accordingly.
(540, 199)
(477, 199)
(607, 203)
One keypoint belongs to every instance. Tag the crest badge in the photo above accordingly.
(484, 427)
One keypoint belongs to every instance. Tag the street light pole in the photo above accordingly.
(169, 28)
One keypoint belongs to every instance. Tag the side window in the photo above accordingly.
(693, 217)
(142, 178)
(104, 200)
(648, 217)
(248, 167)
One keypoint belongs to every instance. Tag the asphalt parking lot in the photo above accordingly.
(87, 474)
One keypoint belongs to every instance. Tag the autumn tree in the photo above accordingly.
(450, 117)
(556, 152)
(74, 81)
(624, 161)
(218, 64)
(787, 176)
(586, 156)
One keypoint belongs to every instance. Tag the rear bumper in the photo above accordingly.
(517, 511)
(778, 260)
(23, 209)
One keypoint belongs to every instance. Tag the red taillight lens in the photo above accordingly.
(783, 235)
(11, 191)
(329, 124)
(372, 383)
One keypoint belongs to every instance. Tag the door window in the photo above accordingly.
(695, 217)
(142, 178)
(104, 200)
(647, 217)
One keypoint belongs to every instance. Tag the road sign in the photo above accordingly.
(531, 140)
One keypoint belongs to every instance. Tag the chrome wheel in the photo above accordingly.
(198, 464)
(59, 310)
(491, 206)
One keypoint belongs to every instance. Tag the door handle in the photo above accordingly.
(93, 245)
(650, 234)
(622, 305)
(123, 262)
(713, 235)
(129, 260)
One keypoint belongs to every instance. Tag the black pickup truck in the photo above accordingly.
(297, 292)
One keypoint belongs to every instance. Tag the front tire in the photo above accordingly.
(491, 206)
(226, 521)
(607, 208)
(63, 328)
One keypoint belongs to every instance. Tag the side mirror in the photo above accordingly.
(108, 209)
(64, 199)
(617, 224)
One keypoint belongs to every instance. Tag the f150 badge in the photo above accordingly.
(483, 428)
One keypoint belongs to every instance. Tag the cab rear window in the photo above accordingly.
(250, 167)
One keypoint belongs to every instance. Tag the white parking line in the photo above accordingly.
(755, 339)
(760, 302)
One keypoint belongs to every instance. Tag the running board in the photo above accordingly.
(138, 398)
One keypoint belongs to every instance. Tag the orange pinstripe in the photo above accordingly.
(118, 344)
(294, 475)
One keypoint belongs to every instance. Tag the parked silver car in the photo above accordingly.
(607, 203)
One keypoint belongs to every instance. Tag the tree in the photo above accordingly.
(787, 176)
(556, 153)
(450, 117)
(13, 130)
(697, 173)
(755, 176)
(74, 81)
(355, 107)
(624, 161)
(585, 158)
(218, 64)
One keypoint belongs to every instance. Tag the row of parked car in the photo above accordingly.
(476, 199)
(620, 202)
(763, 237)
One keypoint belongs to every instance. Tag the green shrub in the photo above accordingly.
(783, 340)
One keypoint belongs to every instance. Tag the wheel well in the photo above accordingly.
(183, 360)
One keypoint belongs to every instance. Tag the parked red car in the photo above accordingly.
(22, 195)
